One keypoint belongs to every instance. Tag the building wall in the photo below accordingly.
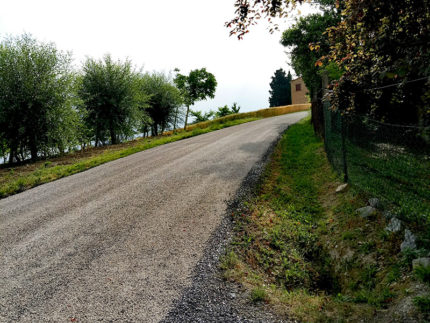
(299, 92)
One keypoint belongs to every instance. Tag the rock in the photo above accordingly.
(366, 211)
(341, 188)
(424, 262)
(334, 254)
(374, 202)
(388, 215)
(395, 225)
(369, 259)
(348, 255)
(409, 242)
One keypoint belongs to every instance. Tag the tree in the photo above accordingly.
(146, 124)
(201, 117)
(110, 97)
(249, 12)
(197, 85)
(311, 30)
(280, 93)
(36, 111)
(384, 48)
(235, 108)
(223, 111)
(163, 101)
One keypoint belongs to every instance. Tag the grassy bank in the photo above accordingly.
(17, 179)
(302, 248)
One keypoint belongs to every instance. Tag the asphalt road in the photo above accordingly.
(118, 242)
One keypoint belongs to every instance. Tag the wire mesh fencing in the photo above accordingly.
(389, 161)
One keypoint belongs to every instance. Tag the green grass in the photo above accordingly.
(396, 174)
(399, 177)
(423, 274)
(423, 304)
(18, 179)
(258, 295)
(305, 247)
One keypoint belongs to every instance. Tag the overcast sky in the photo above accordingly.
(159, 35)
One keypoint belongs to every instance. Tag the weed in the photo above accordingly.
(368, 275)
(348, 235)
(258, 295)
(423, 273)
(422, 303)
(407, 256)
(368, 247)
(393, 274)
(229, 261)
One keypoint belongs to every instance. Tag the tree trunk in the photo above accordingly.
(176, 118)
(33, 149)
(112, 134)
(317, 117)
(186, 118)
(12, 154)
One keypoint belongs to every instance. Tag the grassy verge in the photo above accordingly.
(17, 179)
(302, 248)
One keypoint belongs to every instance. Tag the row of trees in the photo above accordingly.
(46, 107)
(374, 53)
(200, 116)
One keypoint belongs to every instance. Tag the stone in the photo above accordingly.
(341, 188)
(348, 255)
(388, 215)
(394, 226)
(366, 211)
(423, 262)
(409, 242)
(374, 202)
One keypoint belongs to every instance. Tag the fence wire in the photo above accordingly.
(389, 161)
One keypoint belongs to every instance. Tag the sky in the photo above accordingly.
(160, 36)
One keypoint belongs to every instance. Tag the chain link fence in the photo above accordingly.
(388, 161)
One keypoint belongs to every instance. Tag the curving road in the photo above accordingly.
(119, 241)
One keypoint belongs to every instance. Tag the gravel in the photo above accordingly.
(129, 240)
(211, 298)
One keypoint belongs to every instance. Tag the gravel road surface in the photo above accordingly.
(121, 242)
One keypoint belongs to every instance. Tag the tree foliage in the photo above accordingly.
(235, 108)
(376, 53)
(249, 12)
(225, 110)
(384, 48)
(221, 112)
(200, 116)
(36, 114)
(309, 30)
(163, 102)
(109, 94)
(46, 108)
(280, 89)
(198, 85)
(307, 34)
